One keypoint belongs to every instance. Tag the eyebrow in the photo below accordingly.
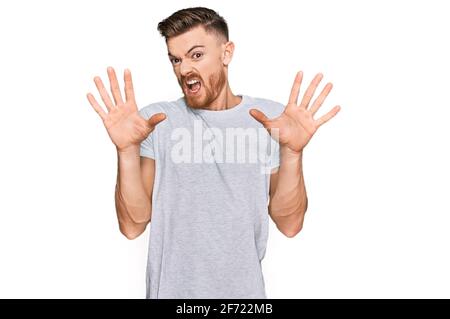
(195, 46)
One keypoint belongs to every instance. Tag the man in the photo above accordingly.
(208, 211)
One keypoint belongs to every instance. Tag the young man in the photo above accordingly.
(179, 167)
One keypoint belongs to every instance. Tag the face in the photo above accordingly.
(199, 60)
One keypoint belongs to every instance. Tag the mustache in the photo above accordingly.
(189, 77)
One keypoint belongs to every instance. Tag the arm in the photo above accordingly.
(127, 129)
(135, 176)
(293, 129)
(288, 199)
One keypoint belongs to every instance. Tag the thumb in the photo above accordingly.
(268, 124)
(260, 117)
(156, 119)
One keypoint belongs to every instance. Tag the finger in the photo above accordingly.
(129, 91)
(103, 93)
(293, 97)
(319, 101)
(156, 119)
(263, 119)
(260, 117)
(115, 89)
(96, 106)
(311, 89)
(328, 116)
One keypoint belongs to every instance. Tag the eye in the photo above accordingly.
(175, 60)
(197, 55)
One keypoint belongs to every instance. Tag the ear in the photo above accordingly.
(228, 49)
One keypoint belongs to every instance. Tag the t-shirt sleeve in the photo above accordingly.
(147, 145)
(147, 149)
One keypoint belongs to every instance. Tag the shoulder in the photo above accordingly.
(269, 107)
(166, 107)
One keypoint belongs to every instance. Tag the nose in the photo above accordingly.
(185, 68)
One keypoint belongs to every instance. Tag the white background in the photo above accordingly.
(377, 175)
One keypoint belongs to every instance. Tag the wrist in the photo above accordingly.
(129, 151)
(288, 154)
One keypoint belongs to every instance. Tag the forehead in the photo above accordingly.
(180, 44)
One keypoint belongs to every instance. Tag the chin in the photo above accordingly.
(197, 102)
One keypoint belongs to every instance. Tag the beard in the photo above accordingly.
(209, 91)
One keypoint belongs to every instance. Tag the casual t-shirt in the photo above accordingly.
(209, 225)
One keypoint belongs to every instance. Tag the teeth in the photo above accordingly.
(192, 82)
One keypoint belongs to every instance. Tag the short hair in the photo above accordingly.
(185, 19)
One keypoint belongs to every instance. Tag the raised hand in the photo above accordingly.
(296, 125)
(125, 126)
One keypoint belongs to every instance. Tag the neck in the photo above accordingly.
(225, 100)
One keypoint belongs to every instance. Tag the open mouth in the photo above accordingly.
(193, 86)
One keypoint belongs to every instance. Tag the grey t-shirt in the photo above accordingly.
(209, 224)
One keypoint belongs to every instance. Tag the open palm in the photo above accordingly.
(125, 126)
(296, 125)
